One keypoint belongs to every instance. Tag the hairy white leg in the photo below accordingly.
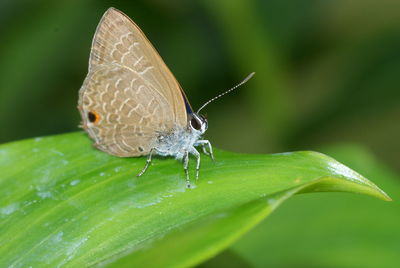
(196, 154)
(148, 161)
(205, 143)
(185, 167)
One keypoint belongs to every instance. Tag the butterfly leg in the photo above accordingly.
(196, 154)
(185, 167)
(203, 144)
(148, 161)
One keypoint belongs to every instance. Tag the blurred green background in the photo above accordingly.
(327, 72)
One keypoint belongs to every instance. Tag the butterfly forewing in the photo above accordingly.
(118, 40)
(129, 94)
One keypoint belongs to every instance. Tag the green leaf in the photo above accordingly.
(335, 230)
(65, 203)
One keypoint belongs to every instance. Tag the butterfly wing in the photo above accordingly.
(121, 114)
(129, 94)
(118, 40)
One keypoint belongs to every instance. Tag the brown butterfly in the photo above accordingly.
(130, 102)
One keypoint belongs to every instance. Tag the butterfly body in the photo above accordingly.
(131, 104)
(177, 143)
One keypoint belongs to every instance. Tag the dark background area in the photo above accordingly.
(327, 72)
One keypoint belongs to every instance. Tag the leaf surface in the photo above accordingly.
(65, 203)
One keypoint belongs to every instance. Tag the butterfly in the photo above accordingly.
(131, 104)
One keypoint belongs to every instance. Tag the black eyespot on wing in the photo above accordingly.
(92, 117)
(140, 149)
(195, 124)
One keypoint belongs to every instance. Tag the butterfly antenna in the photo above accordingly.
(226, 92)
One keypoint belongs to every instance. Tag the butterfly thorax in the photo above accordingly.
(177, 142)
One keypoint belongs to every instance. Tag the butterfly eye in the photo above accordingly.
(93, 117)
(195, 124)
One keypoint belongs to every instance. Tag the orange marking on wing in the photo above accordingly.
(93, 117)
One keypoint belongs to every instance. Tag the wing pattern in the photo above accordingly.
(130, 90)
